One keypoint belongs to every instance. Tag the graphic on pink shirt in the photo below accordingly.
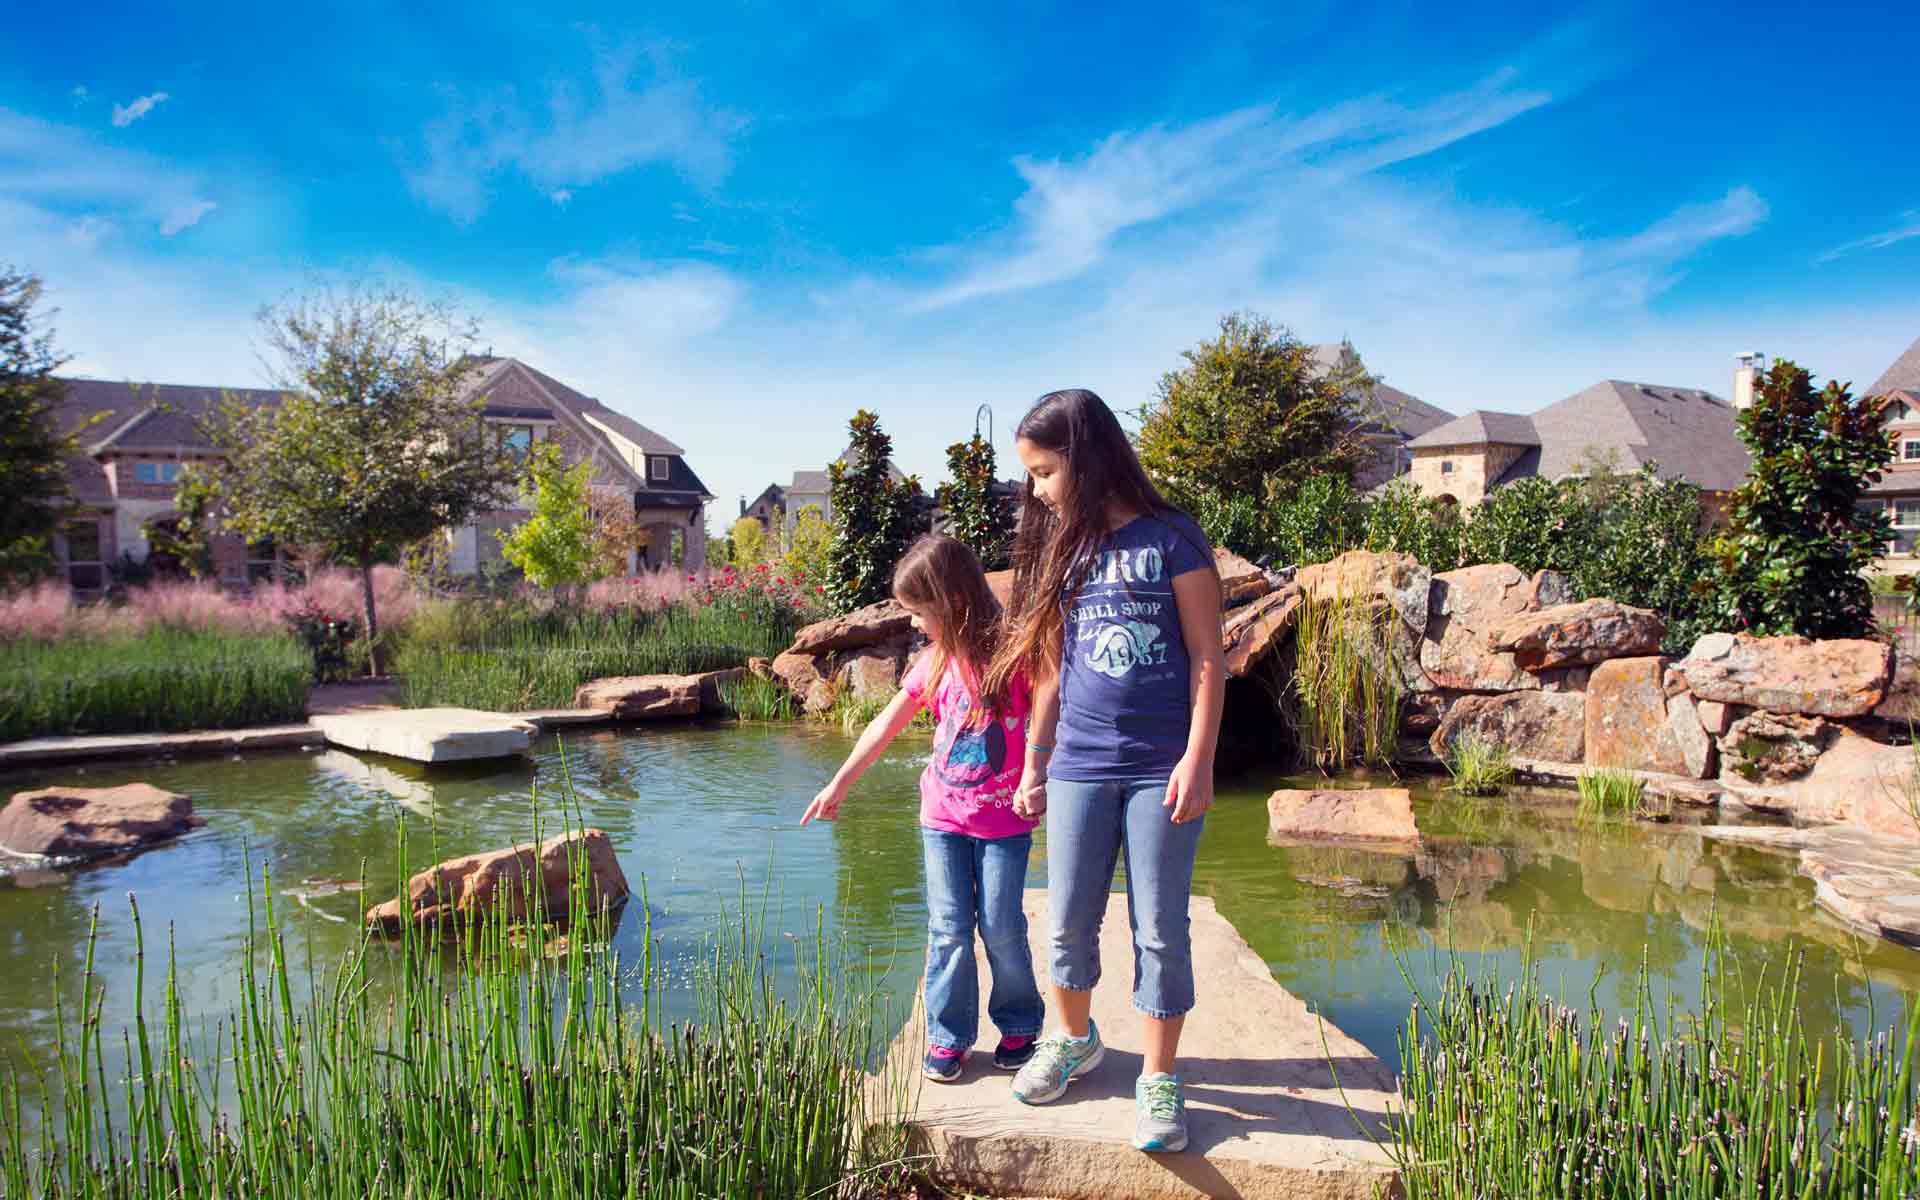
(969, 785)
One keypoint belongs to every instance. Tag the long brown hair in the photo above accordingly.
(1053, 548)
(939, 575)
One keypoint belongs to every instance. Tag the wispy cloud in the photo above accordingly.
(126, 114)
(68, 174)
(633, 109)
(1909, 227)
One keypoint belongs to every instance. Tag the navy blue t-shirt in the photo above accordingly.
(1125, 701)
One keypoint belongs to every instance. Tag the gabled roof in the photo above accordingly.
(810, 483)
(1402, 411)
(1903, 375)
(116, 417)
(1480, 428)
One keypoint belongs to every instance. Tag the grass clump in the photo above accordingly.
(512, 1064)
(1479, 766)
(508, 655)
(1608, 792)
(757, 698)
(1344, 702)
(1507, 1092)
(162, 679)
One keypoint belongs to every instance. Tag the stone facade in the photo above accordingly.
(1464, 473)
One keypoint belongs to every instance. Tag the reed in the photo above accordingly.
(757, 698)
(1609, 792)
(163, 679)
(1479, 766)
(510, 1063)
(1507, 1092)
(1344, 702)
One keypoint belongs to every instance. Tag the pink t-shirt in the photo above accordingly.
(968, 787)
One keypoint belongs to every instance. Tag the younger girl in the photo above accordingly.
(1117, 622)
(976, 845)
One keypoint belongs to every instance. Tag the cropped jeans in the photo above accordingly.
(1089, 826)
(978, 882)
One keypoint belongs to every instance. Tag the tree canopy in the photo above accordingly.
(876, 517)
(976, 516)
(558, 545)
(33, 449)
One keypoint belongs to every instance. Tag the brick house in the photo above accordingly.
(1689, 433)
(1898, 491)
(136, 439)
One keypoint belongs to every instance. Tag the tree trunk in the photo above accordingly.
(374, 665)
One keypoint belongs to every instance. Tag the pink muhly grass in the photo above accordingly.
(336, 592)
(649, 590)
(42, 611)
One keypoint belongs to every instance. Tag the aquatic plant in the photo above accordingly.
(1507, 1092)
(160, 680)
(1344, 700)
(508, 1064)
(757, 698)
(1610, 792)
(853, 713)
(1480, 766)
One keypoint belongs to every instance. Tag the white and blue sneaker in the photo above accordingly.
(1159, 1114)
(1055, 1063)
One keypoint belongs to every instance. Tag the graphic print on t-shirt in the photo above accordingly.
(1119, 590)
(971, 757)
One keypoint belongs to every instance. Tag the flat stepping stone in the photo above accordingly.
(429, 735)
(152, 745)
(1265, 1116)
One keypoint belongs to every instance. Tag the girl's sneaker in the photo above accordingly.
(1013, 1052)
(1159, 1113)
(1055, 1063)
(942, 1063)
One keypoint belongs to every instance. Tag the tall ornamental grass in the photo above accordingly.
(1508, 1093)
(508, 1065)
(1344, 701)
(161, 680)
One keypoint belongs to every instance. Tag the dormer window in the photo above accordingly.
(1899, 411)
(657, 468)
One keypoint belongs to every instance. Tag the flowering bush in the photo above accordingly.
(761, 591)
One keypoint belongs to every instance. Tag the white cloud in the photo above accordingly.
(185, 217)
(628, 114)
(126, 114)
(67, 173)
(1909, 227)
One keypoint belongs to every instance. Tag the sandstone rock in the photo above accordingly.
(1541, 725)
(801, 674)
(1714, 716)
(1423, 713)
(867, 674)
(1370, 816)
(1251, 633)
(1841, 677)
(1398, 579)
(643, 697)
(861, 627)
(1572, 635)
(1465, 605)
(1240, 580)
(1696, 744)
(1565, 679)
(763, 667)
(1627, 722)
(1866, 784)
(710, 682)
(471, 885)
(1767, 747)
(1901, 704)
(68, 822)
(429, 735)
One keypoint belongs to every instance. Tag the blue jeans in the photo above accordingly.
(1089, 825)
(978, 882)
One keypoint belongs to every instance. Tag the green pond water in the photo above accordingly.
(701, 813)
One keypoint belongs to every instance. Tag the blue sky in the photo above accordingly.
(740, 221)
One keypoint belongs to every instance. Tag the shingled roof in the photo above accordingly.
(1403, 411)
(116, 417)
(1902, 376)
(1480, 427)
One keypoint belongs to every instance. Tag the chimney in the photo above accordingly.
(1751, 364)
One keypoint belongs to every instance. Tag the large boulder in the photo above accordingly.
(69, 822)
(1627, 723)
(643, 697)
(1901, 704)
(1249, 634)
(862, 627)
(1541, 725)
(1854, 779)
(1767, 747)
(1240, 580)
(471, 885)
(801, 674)
(1465, 606)
(1397, 579)
(870, 673)
(1838, 677)
(1697, 748)
(1363, 816)
(1575, 635)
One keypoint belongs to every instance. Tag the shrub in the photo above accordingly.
(877, 517)
(1479, 766)
(1403, 519)
(983, 521)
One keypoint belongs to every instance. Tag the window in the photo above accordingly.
(1899, 411)
(261, 556)
(1910, 450)
(85, 569)
(517, 441)
(657, 467)
(148, 472)
(1906, 514)
(1446, 466)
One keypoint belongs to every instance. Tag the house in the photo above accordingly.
(807, 488)
(1394, 417)
(135, 438)
(1688, 433)
(1898, 490)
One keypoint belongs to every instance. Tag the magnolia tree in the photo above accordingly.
(877, 517)
(974, 514)
(374, 444)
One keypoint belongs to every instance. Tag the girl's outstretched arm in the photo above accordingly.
(883, 729)
(1196, 595)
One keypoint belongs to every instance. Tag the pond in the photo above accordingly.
(705, 816)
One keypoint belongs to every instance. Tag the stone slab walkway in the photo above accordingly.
(429, 735)
(1866, 880)
(157, 745)
(1266, 1117)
